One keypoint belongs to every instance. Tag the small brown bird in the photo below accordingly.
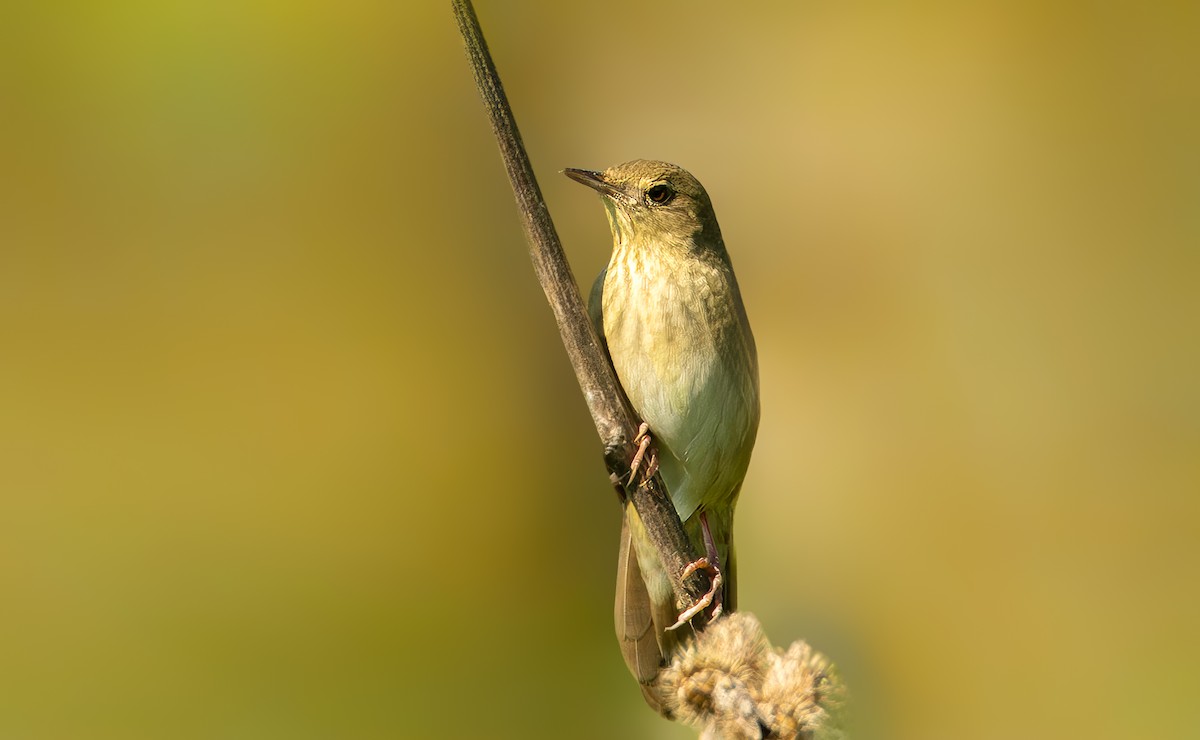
(670, 312)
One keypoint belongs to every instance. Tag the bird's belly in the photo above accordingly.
(688, 380)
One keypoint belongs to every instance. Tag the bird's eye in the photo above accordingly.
(660, 194)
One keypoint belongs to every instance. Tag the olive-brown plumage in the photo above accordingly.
(670, 312)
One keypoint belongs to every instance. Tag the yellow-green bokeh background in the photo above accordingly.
(288, 447)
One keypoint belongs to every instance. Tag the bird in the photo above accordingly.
(669, 312)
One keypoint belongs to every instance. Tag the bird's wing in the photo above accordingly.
(596, 308)
(633, 613)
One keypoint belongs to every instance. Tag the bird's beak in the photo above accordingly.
(596, 181)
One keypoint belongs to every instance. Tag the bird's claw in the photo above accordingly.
(712, 598)
(644, 452)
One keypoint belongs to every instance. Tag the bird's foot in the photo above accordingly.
(710, 550)
(712, 598)
(645, 453)
(711, 565)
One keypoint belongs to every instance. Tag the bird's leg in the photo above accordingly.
(710, 564)
(710, 548)
(643, 441)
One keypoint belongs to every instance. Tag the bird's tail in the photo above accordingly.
(645, 603)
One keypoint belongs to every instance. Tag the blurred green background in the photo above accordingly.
(289, 448)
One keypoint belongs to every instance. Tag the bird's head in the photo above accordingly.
(654, 203)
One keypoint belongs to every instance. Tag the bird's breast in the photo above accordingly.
(678, 339)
